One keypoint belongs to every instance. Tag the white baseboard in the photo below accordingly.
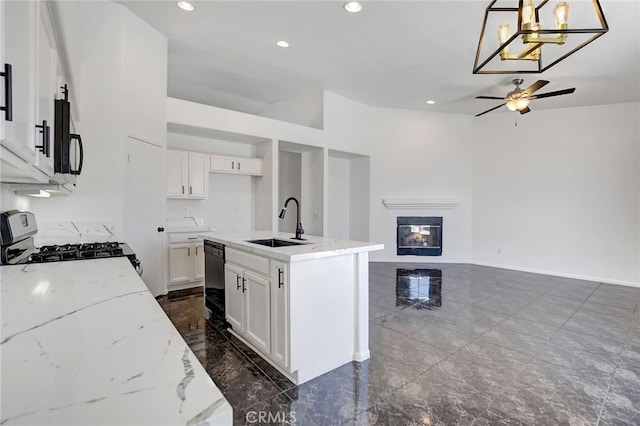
(515, 268)
(561, 274)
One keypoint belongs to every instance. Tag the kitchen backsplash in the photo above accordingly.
(74, 232)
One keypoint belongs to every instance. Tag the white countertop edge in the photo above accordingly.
(313, 248)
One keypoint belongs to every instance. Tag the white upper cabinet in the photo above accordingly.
(177, 174)
(187, 174)
(19, 21)
(47, 82)
(241, 165)
(198, 175)
(29, 65)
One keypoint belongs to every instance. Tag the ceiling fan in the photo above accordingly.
(518, 99)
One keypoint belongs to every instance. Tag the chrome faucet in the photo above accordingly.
(299, 230)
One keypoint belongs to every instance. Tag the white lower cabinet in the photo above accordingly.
(247, 305)
(186, 262)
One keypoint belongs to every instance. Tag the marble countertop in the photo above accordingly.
(313, 248)
(85, 342)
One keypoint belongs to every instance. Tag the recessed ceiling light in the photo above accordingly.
(352, 6)
(431, 102)
(185, 5)
(282, 43)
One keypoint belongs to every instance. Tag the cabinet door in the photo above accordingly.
(177, 174)
(222, 164)
(180, 263)
(198, 175)
(250, 166)
(233, 297)
(198, 261)
(46, 89)
(257, 311)
(280, 313)
(18, 36)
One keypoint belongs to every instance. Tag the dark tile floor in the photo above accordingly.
(451, 344)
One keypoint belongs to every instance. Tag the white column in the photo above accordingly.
(361, 344)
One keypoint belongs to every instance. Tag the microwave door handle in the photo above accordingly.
(79, 139)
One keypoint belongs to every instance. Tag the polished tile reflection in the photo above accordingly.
(450, 344)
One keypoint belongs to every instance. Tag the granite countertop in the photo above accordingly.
(313, 248)
(85, 342)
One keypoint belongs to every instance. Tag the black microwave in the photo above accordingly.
(68, 154)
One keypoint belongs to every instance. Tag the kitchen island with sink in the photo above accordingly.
(85, 342)
(303, 305)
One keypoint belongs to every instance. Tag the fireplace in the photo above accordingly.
(419, 236)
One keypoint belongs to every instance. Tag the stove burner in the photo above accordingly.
(55, 253)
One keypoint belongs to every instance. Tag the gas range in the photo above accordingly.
(98, 250)
(16, 238)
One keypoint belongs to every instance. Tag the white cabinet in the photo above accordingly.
(240, 165)
(47, 89)
(247, 298)
(280, 313)
(187, 174)
(186, 262)
(19, 30)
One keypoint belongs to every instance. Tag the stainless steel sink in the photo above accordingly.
(274, 242)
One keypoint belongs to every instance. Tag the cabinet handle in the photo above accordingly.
(280, 280)
(237, 282)
(160, 229)
(79, 139)
(196, 250)
(183, 189)
(233, 163)
(45, 130)
(190, 190)
(238, 166)
(244, 280)
(8, 93)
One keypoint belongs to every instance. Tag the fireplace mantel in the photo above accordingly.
(419, 203)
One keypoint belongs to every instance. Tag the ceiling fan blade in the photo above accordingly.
(489, 110)
(556, 93)
(489, 97)
(535, 86)
(524, 111)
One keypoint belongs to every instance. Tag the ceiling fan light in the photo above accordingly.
(517, 104)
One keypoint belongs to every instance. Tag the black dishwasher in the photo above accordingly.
(214, 277)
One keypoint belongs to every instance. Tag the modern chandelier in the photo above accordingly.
(531, 38)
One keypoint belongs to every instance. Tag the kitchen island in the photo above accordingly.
(84, 342)
(305, 307)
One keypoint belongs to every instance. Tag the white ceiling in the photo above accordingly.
(393, 54)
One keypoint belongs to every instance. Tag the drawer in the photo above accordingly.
(247, 260)
(185, 237)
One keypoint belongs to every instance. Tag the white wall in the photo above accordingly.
(10, 201)
(559, 193)
(289, 185)
(312, 199)
(230, 206)
(339, 198)
(413, 155)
